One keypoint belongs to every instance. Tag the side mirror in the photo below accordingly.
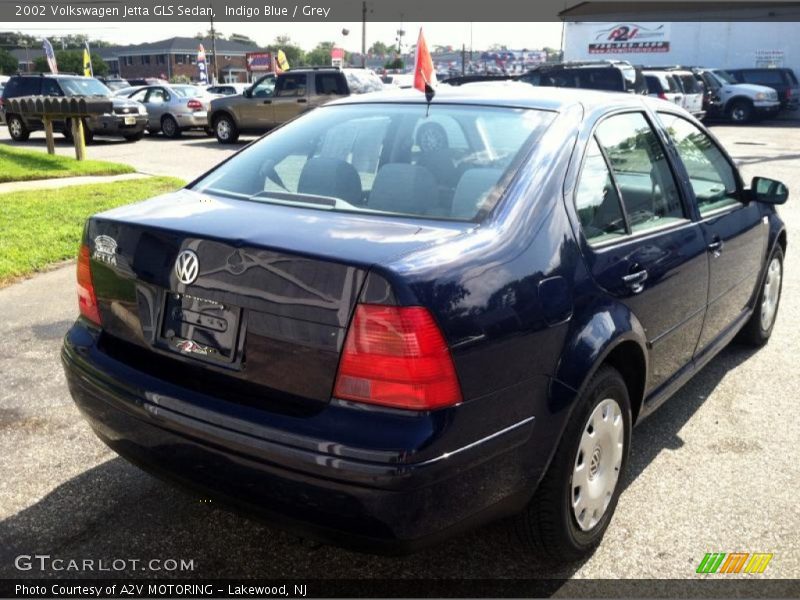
(768, 191)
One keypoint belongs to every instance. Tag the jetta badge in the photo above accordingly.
(187, 266)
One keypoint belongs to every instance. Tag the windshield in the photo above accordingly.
(84, 87)
(723, 76)
(448, 161)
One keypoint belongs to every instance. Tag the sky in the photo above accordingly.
(513, 35)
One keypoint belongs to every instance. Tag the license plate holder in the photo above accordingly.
(201, 329)
(130, 120)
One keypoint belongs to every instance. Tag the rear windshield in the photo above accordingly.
(446, 162)
(188, 91)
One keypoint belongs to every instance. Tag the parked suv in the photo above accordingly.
(275, 99)
(127, 120)
(606, 75)
(738, 102)
(783, 81)
(661, 84)
(691, 91)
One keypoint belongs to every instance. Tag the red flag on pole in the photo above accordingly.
(424, 75)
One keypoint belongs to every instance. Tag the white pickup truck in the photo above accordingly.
(738, 102)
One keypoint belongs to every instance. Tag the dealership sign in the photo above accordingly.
(624, 38)
(258, 61)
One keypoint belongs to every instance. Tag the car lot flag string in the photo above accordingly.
(424, 75)
(202, 71)
(88, 71)
(51, 56)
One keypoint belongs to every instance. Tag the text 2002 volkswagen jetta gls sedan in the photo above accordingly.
(386, 321)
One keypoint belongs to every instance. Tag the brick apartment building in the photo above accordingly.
(176, 56)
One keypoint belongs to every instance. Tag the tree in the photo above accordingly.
(381, 49)
(8, 62)
(294, 53)
(397, 63)
(321, 54)
(71, 61)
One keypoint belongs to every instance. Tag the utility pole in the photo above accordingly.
(213, 49)
(363, 34)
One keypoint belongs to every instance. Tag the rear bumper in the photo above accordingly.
(193, 120)
(358, 497)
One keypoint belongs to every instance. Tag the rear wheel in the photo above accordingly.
(571, 510)
(741, 111)
(225, 130)
(169, 127)
(17, 128)
(759, 328)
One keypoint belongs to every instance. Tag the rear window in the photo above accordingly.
(22, 86)
(445, 162)
(602, 78)
(764, 77)
(188, 91)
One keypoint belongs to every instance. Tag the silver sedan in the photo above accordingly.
(174, 108)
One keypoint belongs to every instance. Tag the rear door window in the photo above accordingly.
(50, 87)
(330, 84)
(596, 199)
(641, 171)
(712, 177)
(289, 86)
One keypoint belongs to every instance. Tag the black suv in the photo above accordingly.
(127, 120)
(783, 81)
(606, 75)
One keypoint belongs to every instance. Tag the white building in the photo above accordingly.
(710, 44)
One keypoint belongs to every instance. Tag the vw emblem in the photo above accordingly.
(187, 267)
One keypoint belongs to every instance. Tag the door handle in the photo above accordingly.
(635, 281)
(716, 245)
(302, 100)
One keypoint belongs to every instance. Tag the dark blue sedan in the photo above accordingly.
(388, 320)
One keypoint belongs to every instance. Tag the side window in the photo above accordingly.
(157, 96)
(139, 96)
(712, 177)
(596, 199)
(50, 87)
(330, 84)
(291, 86)
(641, 171)
(264, 88)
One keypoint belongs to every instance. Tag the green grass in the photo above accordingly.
(42, 227)
(18, 164)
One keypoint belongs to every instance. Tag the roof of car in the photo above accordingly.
(504, 93)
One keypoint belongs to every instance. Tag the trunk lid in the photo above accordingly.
(261, 308)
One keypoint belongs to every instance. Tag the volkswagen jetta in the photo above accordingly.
(390, 320)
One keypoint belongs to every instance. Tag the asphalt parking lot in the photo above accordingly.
(714, 470)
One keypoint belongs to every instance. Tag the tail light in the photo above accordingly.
(396, 356)
(662, 95)
(788, 94)
(194, 104)
(87, 302)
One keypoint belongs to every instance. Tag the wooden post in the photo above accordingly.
(48, 132)
(77, 138)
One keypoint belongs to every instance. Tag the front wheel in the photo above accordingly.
(17, 128)
(741, 111)
(759, 328)
(573, 506)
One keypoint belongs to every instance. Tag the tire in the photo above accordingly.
(551, 525)
(759, 328)
(169, 127)
(225, 129)
(740, 111)
(134, 137)
(17, 129)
